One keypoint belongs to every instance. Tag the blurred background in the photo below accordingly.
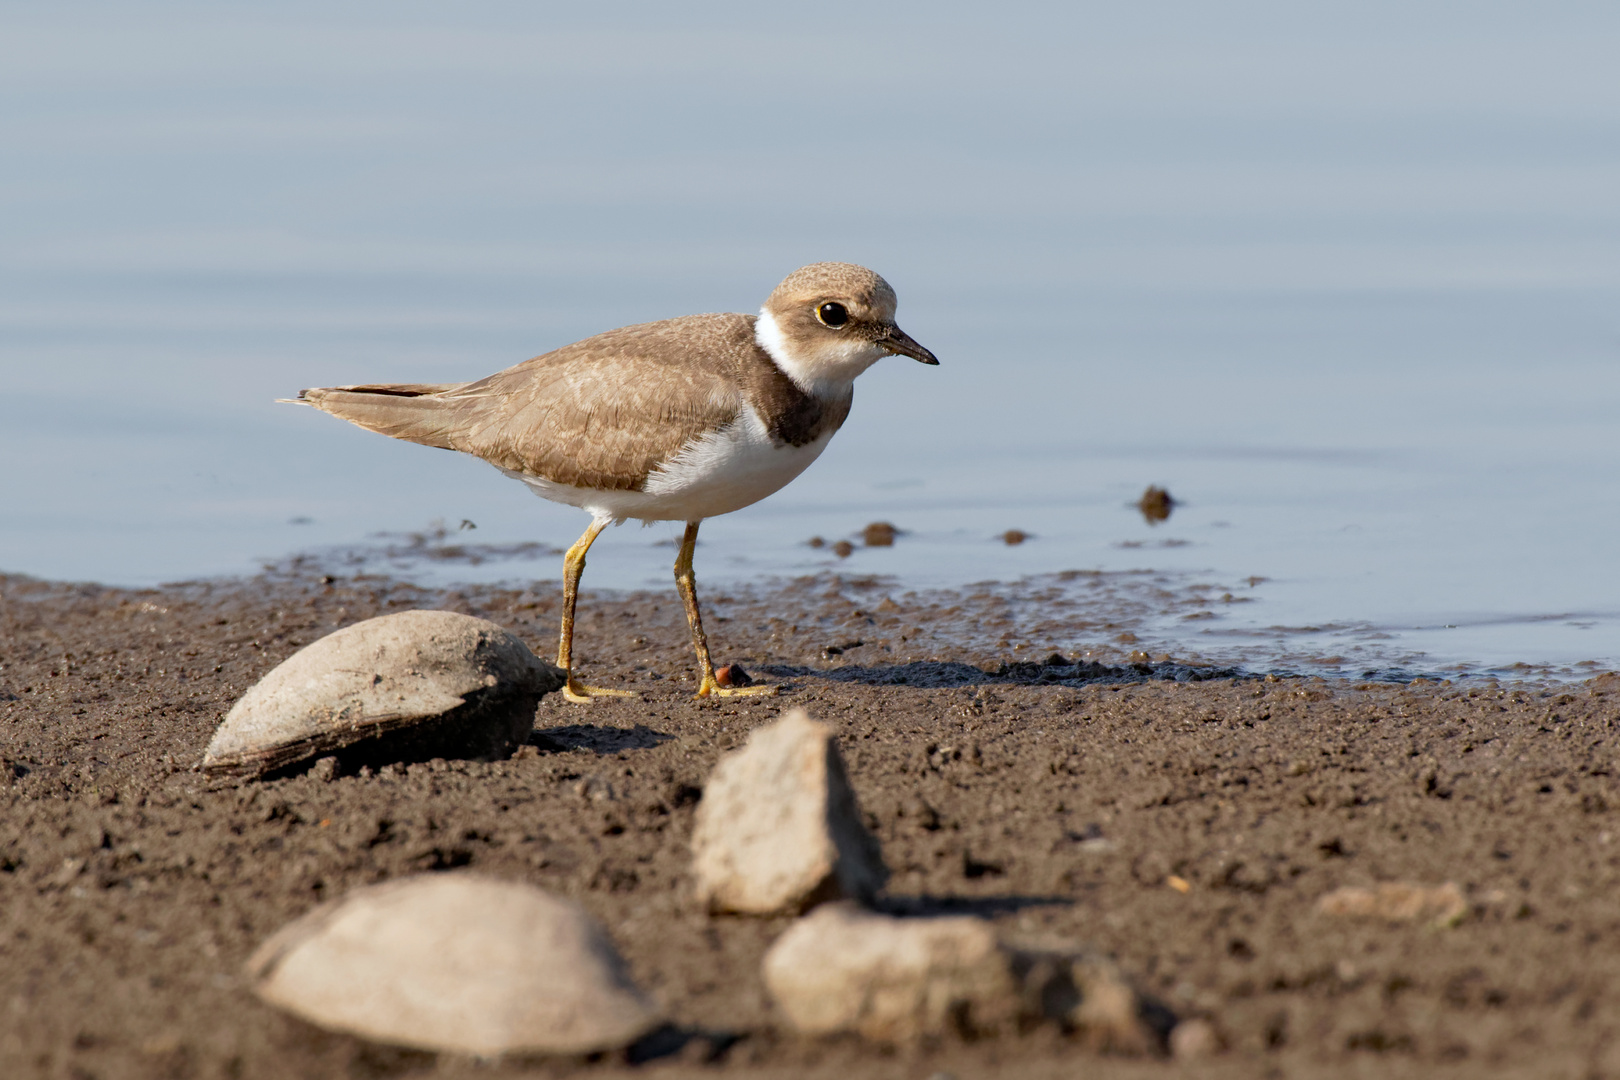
(1341, 277)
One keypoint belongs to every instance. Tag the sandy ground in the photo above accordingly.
(1187, 826)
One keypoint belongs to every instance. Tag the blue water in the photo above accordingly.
(1342, 279)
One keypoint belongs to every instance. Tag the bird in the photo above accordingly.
(677, 420)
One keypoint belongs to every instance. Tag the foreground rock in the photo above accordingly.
(456, 963)
(778, 828)
(842, 969)
(410, 686)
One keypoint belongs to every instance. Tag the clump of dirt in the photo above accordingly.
(1155, 504)
(1182, 818)
(879, 534)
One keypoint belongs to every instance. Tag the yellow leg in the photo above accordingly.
(687, 583)
(573, 568)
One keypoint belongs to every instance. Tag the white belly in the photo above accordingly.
(720, 472)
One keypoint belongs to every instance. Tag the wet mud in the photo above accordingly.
(1185, 818)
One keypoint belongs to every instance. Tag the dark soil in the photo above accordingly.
(1185, 823)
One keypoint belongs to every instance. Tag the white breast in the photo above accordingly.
(717, 473)
(826, 373)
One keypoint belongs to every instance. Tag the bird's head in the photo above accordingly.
(828, 322)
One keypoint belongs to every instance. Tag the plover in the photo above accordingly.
(677, 420)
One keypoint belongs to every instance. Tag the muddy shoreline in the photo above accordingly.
(1184, 819)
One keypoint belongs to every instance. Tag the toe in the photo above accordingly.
(582, 694)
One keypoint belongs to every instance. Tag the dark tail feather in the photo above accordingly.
(414, 412)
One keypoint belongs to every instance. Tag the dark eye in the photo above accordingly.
(832, 315)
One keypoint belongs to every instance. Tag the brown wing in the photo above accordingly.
(601, 413)
(604, 412)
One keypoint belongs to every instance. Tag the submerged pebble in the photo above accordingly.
(879, 534)
(1155, 504)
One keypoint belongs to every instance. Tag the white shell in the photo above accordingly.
(450, 684)
(459, 963)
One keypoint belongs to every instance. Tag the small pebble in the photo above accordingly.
(1194, 1040)
(733, 675)
(843, 549)
(1156, 505)
(1014, 537)
(1398, 901)
(879, 534)
(595, 789)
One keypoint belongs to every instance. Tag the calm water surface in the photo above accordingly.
(1343, 281)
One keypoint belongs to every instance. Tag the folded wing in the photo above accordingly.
(601, 413)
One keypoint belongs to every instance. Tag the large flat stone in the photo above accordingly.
(410, 686)
(459, 963)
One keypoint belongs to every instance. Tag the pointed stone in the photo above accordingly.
(778, 828)
(404, 687)
(459, 963)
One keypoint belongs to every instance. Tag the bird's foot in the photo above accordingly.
(715, 690)
(582, 694)
(732, 681)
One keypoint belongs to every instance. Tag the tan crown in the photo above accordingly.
(867, 296)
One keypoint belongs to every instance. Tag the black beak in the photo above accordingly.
(900, 343)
